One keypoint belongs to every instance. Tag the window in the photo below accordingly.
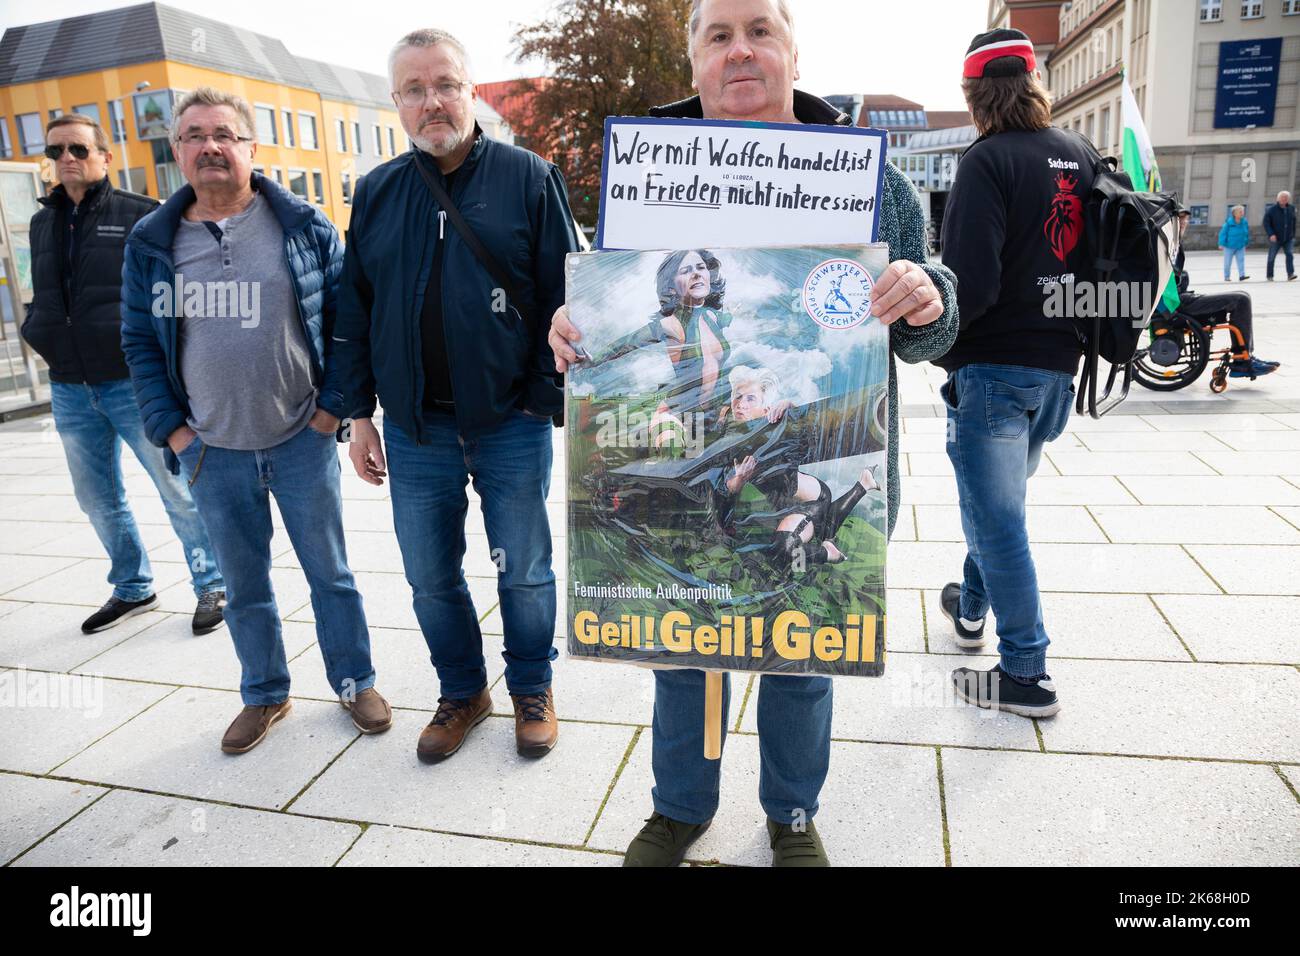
(55, 114)
(288, 128)
(307, 130)
(1252, 9)
(260, 170)
(1088, 128)
(356, 138)
(1290, 8)
(341, 135)
(6, 147)
(347, 189)
(277, 174)
(266, 132)
(1211, 11)
(1104, 129)
(318, 186)
(31, 133)
(298, 183)
(90, 110)
(166, 170)
(379, 141)
(117, 115)
(392, 142)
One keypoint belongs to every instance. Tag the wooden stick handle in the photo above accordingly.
(713, 715)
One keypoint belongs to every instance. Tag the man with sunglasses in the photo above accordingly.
(228, 304)
(74, 323)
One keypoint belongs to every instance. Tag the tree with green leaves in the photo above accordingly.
(603, 58)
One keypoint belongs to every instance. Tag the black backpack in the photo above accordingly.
(1131, 241)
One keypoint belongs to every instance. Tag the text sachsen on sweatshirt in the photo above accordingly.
(1012, 228)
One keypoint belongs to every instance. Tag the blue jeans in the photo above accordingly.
(93, 421)
(1228, 256)
(999, 418)
(794, 745)
(1288, 249)
(233, 489)
(510, 465)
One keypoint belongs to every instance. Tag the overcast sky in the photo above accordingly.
(913, 49)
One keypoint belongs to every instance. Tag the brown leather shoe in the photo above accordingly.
(451, 724)
(536, 729)
(370, 712)
(251, 726)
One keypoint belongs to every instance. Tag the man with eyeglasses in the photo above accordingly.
(455, 259)
(229, 294)
(74, 323)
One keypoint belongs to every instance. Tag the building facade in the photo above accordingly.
(320, 127)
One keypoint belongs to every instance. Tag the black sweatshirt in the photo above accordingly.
(1013, 226)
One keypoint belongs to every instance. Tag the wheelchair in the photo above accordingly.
(1180, 349)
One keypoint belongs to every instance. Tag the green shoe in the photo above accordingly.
(663, 842)
(791, 847)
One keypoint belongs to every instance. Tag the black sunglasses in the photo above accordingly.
(78, 150)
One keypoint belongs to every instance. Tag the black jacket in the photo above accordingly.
(518, 206)
(1280, 222)
(1013, 226)
(75, 318)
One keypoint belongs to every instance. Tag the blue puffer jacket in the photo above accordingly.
(1234, 235)
(149, 341)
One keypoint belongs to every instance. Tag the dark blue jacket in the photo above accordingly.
(1280, 222)
(315, 259)
(518, 206)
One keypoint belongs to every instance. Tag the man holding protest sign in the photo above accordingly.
(744, 61)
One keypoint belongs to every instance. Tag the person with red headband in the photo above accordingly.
(1013, 229)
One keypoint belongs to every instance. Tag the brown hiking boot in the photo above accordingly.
(536, 729)
(370, 712)
(251, 726)
(451, 724)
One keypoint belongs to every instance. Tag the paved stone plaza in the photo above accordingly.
(1167, 538)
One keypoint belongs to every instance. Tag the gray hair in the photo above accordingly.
(693, 24)
(426, 38)
(1235, 208)
(743, 375)
(210, 96)
(1284, 193)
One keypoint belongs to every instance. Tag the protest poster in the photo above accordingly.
(726, 459)
(719, 183)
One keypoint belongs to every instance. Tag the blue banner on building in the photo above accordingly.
(1247, 88)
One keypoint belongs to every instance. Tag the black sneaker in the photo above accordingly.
(793, 846)
(994, 690)
(950, 601)
(663, 841)
(114, 612)
(209, 615)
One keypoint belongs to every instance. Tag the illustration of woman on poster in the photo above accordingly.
(691, 321)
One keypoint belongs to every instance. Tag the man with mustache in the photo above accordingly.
(744, 62)
(241, 397)
(75, 324)
(455, 257)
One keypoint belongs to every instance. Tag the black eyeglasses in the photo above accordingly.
(78, 150)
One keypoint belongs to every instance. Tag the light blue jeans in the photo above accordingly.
(1228, 256)
(999, 418)
(93, 421)
(233, 490)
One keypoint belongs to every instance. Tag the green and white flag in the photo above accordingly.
(1142, 168)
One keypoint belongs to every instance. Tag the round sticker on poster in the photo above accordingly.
(837, 294)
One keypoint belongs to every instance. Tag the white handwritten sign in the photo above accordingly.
(715, 182)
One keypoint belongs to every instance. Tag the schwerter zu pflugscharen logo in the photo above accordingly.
(837, 294)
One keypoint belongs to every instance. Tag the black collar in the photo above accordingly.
(59, 195)
(807, 109)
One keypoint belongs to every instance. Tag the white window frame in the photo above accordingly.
(1252, 5)
(377, 139)
(341, 135)
(392, 142)
(6, 144)
(290, 139)
(346, 181)
(1290, 8)
(318, 186)
(278, 175)
(275, 124)
(315, 130)
(289, 173)
(1211, 11)
(357, 145)
(39, 143)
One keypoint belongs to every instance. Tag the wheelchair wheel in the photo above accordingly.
(1219, 380)
(1162, 369)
